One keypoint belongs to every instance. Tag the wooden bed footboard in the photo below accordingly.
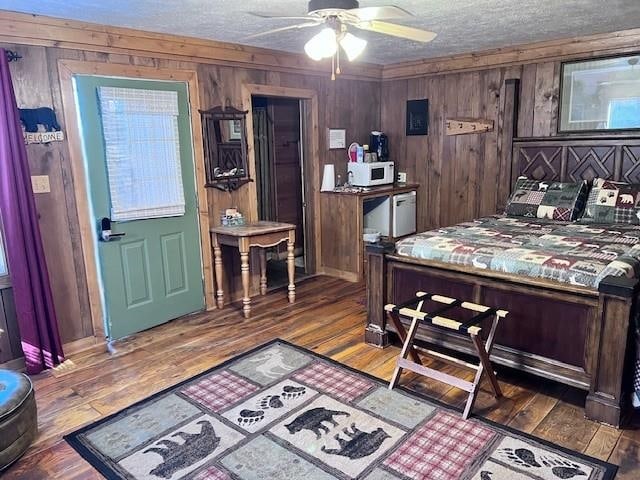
(575, 335)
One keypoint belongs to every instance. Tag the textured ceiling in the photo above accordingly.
(462, 25)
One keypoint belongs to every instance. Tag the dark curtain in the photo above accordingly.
(265, 175)
(27, 267)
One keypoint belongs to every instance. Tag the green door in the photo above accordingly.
(139, 162)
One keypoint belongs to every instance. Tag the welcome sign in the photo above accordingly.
(43, 137)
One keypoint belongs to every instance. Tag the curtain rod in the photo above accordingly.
(13, 56)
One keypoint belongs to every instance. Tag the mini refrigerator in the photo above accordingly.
(376, 214)
(404, 214)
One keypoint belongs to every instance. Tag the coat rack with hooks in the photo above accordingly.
(13, 56)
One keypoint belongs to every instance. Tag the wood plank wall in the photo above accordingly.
(460, 175)
(346, 103)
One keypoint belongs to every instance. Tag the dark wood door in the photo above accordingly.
(288, 172)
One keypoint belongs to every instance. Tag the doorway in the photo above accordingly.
(279, 158)
(139, 161)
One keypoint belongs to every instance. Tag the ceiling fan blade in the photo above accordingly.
(366, 14)
(279, 17)
(395, 30)
(283, 29)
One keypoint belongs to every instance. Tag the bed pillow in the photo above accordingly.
(612, 202)
(553, 200)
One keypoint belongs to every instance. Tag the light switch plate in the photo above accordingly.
(40, 184)
(402, 177)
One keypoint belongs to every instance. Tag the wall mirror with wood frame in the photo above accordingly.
(600, 95)
(225, 147)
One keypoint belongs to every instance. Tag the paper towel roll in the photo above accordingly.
(328, 178)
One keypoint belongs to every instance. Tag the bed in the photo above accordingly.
(578, 254)
(571, 288)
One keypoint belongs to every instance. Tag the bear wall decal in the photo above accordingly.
(32, 117)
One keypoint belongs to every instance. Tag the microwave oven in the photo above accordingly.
(370, 174)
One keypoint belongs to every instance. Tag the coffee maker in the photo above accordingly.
(379, 144)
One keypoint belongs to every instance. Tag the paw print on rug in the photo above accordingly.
(249, 417)
(520, 456)
(562, 468)
(270, 401)
(290, 392)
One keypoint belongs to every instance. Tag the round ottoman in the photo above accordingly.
(18, 416)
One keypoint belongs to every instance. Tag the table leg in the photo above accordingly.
(291, 266)
(402, 333)
(263, 272)
(217, 259)
(244, 271)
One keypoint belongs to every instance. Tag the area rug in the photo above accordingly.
(283, 412)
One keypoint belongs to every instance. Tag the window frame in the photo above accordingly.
(563, 104)
(5, 279)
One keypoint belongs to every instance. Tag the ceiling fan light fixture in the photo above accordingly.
(322, 45)
(352, 45)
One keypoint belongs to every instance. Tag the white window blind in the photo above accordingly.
(143, 153)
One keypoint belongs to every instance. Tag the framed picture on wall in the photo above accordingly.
(418, 117)
(600, 95)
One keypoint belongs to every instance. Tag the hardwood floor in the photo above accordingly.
(328, 318)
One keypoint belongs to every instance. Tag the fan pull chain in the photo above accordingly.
(333, 67)
(338, 72)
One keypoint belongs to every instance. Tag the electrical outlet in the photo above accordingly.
(402, 177)
(40, 184)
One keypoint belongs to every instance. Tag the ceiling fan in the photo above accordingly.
(336, 16)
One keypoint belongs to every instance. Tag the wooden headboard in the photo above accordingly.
(571, 159)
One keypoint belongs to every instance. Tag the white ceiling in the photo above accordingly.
(462, 25)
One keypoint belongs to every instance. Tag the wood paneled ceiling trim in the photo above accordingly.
(626, 41)
(47, 31)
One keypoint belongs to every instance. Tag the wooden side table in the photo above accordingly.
(258, 234)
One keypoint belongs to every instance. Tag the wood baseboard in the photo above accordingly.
(334, 272)
(69, 348)
(83, 344)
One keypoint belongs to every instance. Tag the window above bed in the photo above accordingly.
(600, 95)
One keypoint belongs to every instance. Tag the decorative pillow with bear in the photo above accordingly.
(612, 202)
(553, 200)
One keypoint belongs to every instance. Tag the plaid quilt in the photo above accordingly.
(574, 253)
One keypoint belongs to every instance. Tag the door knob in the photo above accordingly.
(106, 234)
